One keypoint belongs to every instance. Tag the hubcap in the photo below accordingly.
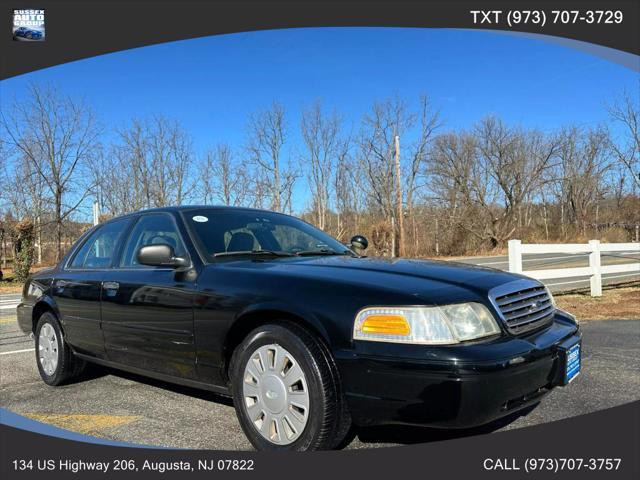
(48, 349)
(275, 393)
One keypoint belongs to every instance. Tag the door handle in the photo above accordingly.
(110, 285)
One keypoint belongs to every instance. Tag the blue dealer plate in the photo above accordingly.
(573, 363)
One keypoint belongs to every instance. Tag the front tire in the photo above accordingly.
(286, 390)
(56, 362)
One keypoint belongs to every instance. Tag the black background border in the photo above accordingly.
(612, 433)
(76, 30)
(81, 29)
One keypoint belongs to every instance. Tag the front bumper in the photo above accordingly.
(457, 386)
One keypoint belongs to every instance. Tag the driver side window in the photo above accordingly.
(152, 230)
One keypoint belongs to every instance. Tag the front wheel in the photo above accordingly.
(56, 362)
(286, 390)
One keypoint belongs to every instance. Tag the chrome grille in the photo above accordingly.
(525, 308)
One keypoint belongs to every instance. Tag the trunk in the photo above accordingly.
(546, 222)
(399, 214)
(58, 219)
(38, 226)
(276, 190)
(437, 238)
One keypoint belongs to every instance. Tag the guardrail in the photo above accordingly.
(595, 270)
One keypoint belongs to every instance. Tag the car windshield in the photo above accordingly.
(245, 232)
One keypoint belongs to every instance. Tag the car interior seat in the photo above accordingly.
(241, 242)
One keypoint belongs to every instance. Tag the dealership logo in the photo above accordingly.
(28, 25)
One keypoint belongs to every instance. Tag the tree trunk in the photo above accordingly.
(58, 219)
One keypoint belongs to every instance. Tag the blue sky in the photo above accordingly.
(211, 84)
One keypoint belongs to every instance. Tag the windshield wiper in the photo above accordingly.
(254, 252)
(308, 253)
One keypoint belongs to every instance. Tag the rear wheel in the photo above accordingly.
(56, 362)
(286, 392)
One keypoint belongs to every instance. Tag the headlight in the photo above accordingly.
(425, 325)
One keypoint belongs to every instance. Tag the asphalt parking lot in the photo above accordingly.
(124, 407)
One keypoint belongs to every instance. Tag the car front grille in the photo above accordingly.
(525, 309)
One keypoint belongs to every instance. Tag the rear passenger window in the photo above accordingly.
(99, 249)
(152, 230)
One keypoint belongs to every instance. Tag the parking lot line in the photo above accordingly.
(83, 423)
(17, 351)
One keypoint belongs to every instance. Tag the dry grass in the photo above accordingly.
(10, 287)
(8, 283)
(615, 304)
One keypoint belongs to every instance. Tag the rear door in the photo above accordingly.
(147, 312)
(77, 288)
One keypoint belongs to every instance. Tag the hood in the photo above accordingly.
(413, 277)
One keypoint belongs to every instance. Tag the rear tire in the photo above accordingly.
(276, 414)
(56, 362)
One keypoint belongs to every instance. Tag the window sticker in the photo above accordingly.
(200, 219)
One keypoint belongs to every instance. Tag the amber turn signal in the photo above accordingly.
(386, 324)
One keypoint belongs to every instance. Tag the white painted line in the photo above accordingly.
(586, 279)
(569, 256)
(566, 283)
(8, 307)
(619, 276)
(18, 351)
(506, 262)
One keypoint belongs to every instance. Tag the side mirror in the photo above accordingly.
(161, 255)
(359, 242)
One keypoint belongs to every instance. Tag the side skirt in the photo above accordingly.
(158, 376)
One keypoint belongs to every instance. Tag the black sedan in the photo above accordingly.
(306, 334)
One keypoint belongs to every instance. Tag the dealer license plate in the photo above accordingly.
(573, 363)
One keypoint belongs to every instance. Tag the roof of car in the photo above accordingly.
(180, 208)
(183, 208)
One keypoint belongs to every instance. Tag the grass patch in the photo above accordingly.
(7, 285)
(615, 304)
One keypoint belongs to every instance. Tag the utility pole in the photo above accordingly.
(96, 213)
(399, 213)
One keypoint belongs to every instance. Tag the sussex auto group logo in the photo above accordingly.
(28, 25)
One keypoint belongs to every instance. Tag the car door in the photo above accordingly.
(147, 312)
(76, 289)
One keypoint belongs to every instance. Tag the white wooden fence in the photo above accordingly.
(595, 270)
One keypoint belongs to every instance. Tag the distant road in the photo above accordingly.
(9, 301)
(546, 261)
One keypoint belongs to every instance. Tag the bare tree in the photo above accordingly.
(489, 176)
(583, 165)
(320, 133)
(28, 198)
(462, 186)
(376, 142)
(347, 190)
(58, 136)
(223, 180)
(517, 161)
(266, 138)
(150, 166)
(626, 112)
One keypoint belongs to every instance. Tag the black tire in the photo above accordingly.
(329, 420)
(69, 366)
